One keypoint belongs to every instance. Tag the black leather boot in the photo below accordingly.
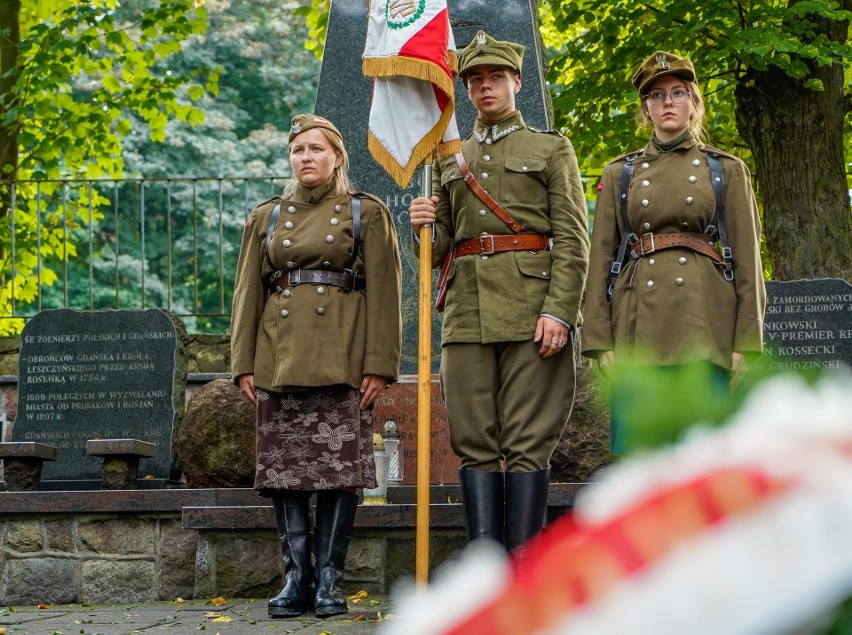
(335, 520)
(482, 500)
(293, 520)
(526, 505)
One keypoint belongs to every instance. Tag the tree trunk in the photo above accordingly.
(10, 39)
(796, 137)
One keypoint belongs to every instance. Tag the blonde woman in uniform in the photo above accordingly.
(686, 287)
(316, 335)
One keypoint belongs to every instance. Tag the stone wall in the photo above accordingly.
(93, 559)
(92, 548)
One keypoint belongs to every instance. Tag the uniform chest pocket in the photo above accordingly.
(453, 183)
(525, 181)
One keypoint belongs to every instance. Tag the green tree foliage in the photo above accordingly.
(81, 71)
(775, 75)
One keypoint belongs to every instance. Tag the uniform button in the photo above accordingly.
(326, 264)
(652, 262)
(545, 274)
(689, 200)
(486, 157)
(334, 221)
(645, 166)
(484, 175)
(337, 208)
(645, 202)
(524, 168)
(646, 183)
(646, 226)
(320, 290)
(290, 264)
(685, 225)
(679, 282)
(682, 260)
(696, 162)
(482, 212)
(291, 209)
(693, 179)
(320, 310)
(485, 257)
(289, 224)
(488, 142)
(650, 284)
(287, 293)
(329, 239)
(287, 243)
(285, 313)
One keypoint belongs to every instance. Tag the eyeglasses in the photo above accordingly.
(657, 97)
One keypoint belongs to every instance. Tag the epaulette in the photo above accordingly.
(624, 156)
(372, 197)
(717, 151)
(553, 132)
(274, 199)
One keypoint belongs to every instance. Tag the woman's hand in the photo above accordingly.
(247, 387)
(605, 363)
(422, 212)
(551, 334)
(371, 387)
(738, 369)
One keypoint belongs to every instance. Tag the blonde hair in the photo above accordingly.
(696, 117)
(342, 182)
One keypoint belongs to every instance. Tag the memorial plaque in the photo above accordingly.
(344, 97)
(100, 375)
(808, 324)
(399, 402)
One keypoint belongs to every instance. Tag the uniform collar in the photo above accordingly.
(489, 133)
(686, 143)
(313, 196)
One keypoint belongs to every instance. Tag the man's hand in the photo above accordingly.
(551, 334)
(422, 212)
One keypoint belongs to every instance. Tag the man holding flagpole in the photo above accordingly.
(510, 211)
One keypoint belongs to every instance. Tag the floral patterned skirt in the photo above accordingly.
(317, 439)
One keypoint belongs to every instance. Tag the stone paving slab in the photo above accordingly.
(188, 618)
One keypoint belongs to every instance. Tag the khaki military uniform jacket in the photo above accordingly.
(317, 335)
(534, 176)
(675, 305)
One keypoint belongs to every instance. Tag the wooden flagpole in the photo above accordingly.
(424, 390)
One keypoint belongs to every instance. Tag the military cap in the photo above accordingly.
(659, 64)
(484, 50)
(300, 123)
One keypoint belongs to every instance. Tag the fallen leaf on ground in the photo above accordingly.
(219, 601)
(180, 601)
(43, 606)
(209, 615)
(223, 618)
(358, 617)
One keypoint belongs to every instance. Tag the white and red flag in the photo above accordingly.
(411, 53)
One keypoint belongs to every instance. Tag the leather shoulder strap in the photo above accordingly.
(356, 231)
(485, 197)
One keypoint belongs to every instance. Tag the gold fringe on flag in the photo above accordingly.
(410, 67)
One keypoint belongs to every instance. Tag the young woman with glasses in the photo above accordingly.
(675, 273)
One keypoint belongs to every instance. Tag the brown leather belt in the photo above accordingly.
(487, 244)
(702, 243)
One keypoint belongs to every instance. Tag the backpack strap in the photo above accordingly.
(627, 235)
(356, 232)
(717, 224)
